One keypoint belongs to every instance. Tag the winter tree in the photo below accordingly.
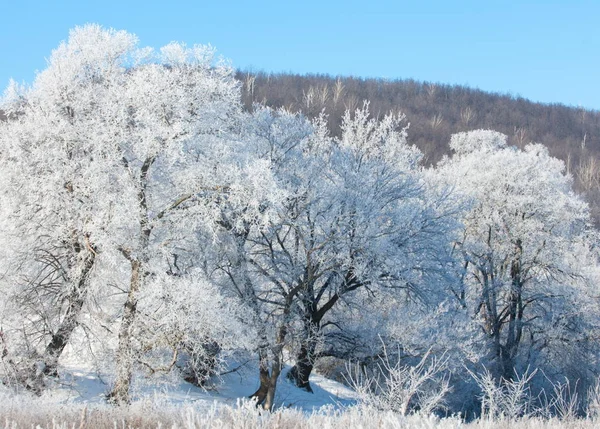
(526, 249)
(121, 153)
(383, 230)
(356, 215)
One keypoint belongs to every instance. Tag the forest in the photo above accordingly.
(431, 248)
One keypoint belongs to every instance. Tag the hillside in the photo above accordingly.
(436, 111)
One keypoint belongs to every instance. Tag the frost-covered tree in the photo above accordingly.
(382, 230)
(123, 153)
(526, 249)
(356, 215)
(234, 258)
(51, 220)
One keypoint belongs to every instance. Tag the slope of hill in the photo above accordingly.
(436, 111)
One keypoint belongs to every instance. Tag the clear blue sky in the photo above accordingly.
(546, 51)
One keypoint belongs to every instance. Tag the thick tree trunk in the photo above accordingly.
(515, 315)
(300, 372)
(62, 335)
(265, 394)
(270, 399)
(125, 359)
(265, 380)
(509, 350)
(305, 361)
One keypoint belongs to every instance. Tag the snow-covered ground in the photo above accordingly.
(78, 398)
(77, 401)
(84, 386)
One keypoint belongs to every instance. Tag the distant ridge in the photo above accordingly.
(436, 111)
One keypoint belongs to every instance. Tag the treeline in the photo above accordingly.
(436, 111)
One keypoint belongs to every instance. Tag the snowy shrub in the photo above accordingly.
(401, 388)
(504, 399)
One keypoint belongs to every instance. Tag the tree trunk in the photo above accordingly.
(305, 361)
(261, 393)
(125, 353)
(120, 391)
(300, 372)
(270, 399)
(76, 300)
(265, 394)
(515, 314)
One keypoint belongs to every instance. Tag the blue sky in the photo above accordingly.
(546, 51)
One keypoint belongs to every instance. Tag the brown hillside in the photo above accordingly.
(436, 111)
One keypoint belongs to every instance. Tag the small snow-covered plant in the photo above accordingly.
(504, 399)
(403, 388)
(200, 361)
(565, 401)
(20, 365)
(593, 401)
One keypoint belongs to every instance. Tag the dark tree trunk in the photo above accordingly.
(300, 372)
(305, 361)
(515, 315)
(76, 300)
